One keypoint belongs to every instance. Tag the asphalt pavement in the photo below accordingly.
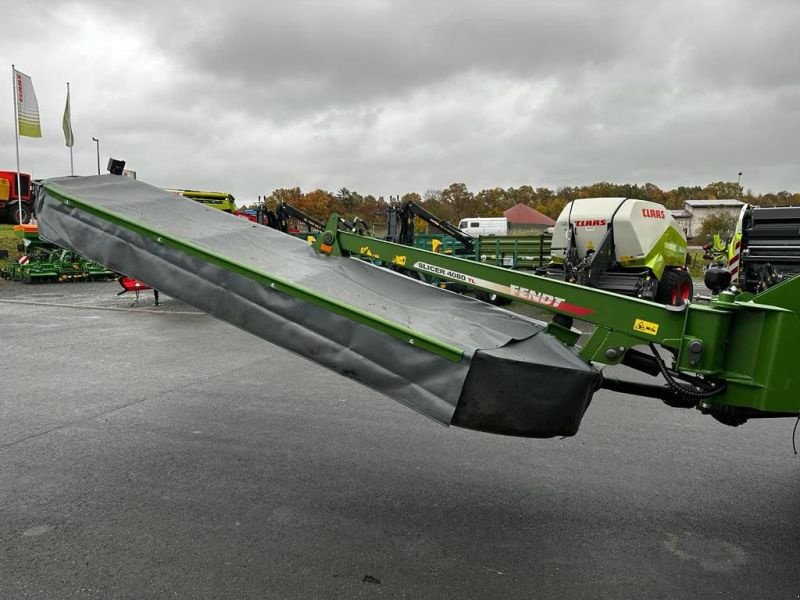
(154, 452)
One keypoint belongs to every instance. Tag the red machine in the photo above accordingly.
(10, 197)
(129, 284)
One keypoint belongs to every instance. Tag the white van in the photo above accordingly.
(476, 226)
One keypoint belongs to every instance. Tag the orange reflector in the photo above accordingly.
(325, 248)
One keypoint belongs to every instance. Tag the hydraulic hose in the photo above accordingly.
(680, 387)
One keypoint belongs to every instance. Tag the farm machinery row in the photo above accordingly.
(455, 360)
(623, 245)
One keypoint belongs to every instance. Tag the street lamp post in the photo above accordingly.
(739, 185)
(97, 142)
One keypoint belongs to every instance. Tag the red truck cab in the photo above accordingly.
(10, 196)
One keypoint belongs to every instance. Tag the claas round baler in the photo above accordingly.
(625, 245)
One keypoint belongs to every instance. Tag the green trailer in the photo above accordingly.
(525, 252)
(522, 252)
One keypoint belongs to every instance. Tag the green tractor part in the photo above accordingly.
(730, 358)
(456, 360)
(35, 262)
(43, 262)
(73, 267)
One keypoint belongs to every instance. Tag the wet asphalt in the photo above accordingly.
(154, 452)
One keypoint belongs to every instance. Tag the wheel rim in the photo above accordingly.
(686, 292)
(680, 293)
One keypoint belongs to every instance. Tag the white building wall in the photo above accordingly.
(700, 213)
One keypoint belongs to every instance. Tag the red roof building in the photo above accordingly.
(527, 217)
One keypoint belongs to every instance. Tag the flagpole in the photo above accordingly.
(16, 142)
(71, 165)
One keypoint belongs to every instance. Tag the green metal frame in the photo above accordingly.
(747, 344)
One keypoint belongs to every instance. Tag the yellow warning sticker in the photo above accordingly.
(399, 260)
(645, 327)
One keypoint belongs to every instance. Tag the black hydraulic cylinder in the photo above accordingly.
(641, 362)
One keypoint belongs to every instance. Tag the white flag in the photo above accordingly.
(27, 106)
(66, 123)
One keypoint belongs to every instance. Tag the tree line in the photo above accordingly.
(457, 202)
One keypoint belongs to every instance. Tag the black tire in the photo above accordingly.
(14, 210)
(675, 288)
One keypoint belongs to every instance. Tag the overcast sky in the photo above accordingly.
(388, 97)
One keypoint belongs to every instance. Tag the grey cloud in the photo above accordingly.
(387, 97)
(308, 56)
